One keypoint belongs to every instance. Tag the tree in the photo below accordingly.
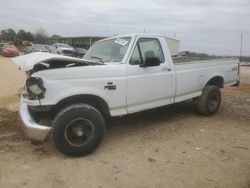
(29, 37)
(20, 37)
(21, 33)
(8, 35)
(41, 36)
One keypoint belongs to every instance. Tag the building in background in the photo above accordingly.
(87, 41)
(76, 42)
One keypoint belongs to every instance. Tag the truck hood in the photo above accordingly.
(27, 62)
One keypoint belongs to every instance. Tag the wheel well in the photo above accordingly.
(92, 100)
(216, 81)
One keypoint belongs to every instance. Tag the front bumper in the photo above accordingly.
(32, 129)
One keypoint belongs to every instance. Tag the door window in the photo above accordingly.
(145, 48)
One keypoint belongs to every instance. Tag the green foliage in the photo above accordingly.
(39, 37)
(29, 37)
(8, 35)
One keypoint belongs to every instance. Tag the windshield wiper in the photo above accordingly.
(99, 58)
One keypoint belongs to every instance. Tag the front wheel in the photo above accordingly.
(209, 102)
(78, 129)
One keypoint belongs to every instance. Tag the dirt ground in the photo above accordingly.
(168, 147)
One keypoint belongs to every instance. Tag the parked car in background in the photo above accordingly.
(40, 48)
(62, 49)
(1, 47)
(36, 48)
(79, 52)
(9, 51)
(27, 50)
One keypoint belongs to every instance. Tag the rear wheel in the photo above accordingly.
(78, 129)
(209, 102)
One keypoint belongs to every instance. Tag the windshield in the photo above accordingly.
(112, 50)
(63, 45)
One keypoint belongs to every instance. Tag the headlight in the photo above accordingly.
(35, 88)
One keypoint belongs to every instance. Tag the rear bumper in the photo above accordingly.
(32, 129)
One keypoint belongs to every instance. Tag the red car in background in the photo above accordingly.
(9, 51)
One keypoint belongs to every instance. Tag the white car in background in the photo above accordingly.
(62, 49)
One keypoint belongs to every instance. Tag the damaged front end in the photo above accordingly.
(39, 61)
(35, 89)
(32, 129)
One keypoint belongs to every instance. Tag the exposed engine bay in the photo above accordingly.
(56, 64)
(39, 61)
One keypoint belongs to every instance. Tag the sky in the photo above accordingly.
(211, 26)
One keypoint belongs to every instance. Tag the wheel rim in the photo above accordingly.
(79, 132)
(214, 101)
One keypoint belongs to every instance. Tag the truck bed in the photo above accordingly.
(186, 59)
(191, 76)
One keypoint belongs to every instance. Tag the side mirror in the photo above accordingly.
(151, 62)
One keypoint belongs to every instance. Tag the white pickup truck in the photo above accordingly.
(62, 49)
(117, 76)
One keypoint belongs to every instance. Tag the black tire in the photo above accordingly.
(209, 102)
(78, 129)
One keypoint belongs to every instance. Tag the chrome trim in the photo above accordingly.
(33, 130)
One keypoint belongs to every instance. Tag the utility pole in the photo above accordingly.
(241, 42)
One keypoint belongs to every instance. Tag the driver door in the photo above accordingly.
(148, 87)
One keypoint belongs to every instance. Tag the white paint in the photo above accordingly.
(137, 88)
